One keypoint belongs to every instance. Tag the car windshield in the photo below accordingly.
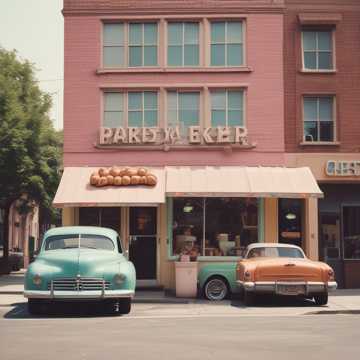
(86, 241)
(287, 252)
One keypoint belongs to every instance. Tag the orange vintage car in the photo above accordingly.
(283, 269)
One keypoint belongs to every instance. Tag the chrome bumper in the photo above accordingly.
(78, 295)
(311, 287)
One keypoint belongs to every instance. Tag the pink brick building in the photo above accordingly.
(194, 91)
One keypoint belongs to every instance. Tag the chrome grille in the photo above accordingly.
(79, 284)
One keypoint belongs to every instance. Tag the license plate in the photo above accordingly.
(290, 289)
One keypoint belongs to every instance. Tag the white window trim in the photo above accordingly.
(226, 43)
(333, 52)
(334, 120)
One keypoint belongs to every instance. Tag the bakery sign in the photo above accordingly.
(194, 135)
(343, 168)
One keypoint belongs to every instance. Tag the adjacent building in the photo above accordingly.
(322, 128)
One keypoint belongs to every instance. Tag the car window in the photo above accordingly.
(119, 244)
(87, 241)
(275, 252)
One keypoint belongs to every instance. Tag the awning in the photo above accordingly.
(241, 182)
(74, 190)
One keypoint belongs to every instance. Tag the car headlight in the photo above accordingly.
(119, 279)
(37, 280)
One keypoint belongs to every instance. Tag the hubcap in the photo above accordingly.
(216, 289)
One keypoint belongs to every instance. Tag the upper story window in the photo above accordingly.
(143, 109)
(227, 108)
(183, 109)
(227, 43)
(319, 118)
(138, 48)
(143, 44)
(113, 43)
(183, 44)
(113, 109)
(133, 108)
(317, 50)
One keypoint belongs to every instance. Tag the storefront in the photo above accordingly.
(339, 213)
(211, 213)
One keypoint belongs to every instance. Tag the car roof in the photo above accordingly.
(261, 245)
(93, 230)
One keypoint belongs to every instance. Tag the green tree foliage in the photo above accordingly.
(30, 148)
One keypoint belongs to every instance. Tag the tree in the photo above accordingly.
(30, 149)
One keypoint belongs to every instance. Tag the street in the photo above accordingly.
(198, 330)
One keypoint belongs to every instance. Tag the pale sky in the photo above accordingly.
(35, 28)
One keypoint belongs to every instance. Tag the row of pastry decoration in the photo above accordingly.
(116, 176)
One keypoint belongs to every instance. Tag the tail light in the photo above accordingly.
(331, 274)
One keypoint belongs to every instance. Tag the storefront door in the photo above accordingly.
(143, 238)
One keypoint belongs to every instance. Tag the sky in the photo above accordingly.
(35, 29)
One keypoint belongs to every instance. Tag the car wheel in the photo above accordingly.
(248, 298)
(321, 299)
(124, 306)
(216, 288)
(36, 307)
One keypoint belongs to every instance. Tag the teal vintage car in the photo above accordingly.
(217, 280)
(81, 263)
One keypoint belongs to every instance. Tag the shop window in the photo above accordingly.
(227, 43)
(290, 221)
(227, 108)
(138, 48)
(319, 118)
(143, 109)
(214, 226)
(183, 44)
(183, 109)
(317, 50)
(100, 216)
(351, 231)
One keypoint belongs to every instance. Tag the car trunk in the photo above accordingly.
(287, 269)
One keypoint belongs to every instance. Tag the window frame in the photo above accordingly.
(318, 121)
(243, 38)
(242, 109)
(126, 55)
(125, 100)
(199, 42)
(333, 50)
(182, 90)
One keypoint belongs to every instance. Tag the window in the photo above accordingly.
(142, 109)
(183, 44)
(141, 49)
(351, 232)
(113, 39)
(317, 50)
(113, 110)
(183, 109)
(319, 118)
(227, 108)
(143, 44)
(227, 43)
(214, 226)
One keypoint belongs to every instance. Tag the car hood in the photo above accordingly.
(83, 262)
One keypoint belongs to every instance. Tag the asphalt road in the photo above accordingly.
(174, 332)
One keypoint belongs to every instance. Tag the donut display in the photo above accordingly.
(116, 176)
